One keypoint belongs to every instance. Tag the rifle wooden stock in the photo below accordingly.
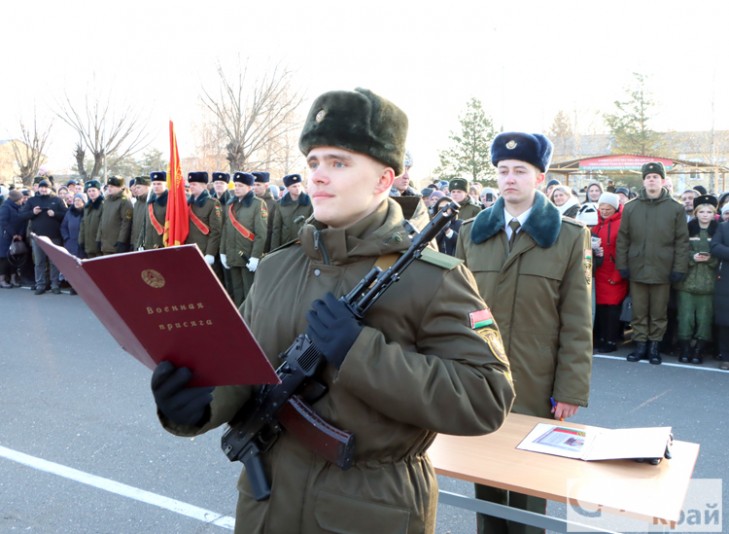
(331, 443)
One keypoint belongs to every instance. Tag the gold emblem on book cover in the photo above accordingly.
(153, 278)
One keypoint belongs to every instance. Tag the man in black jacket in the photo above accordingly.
(45, 212)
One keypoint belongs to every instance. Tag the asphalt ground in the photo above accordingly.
(81, 450)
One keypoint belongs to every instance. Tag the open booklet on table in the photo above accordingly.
(595, 443)
(167, 304)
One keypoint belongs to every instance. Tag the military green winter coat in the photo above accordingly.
(151, 238)
(701, 276)
(418, 367)
(540, 295)
(89, 230)
(250, 211)
(116, 222)
(468, 210)
(288, 218)
(139, 217)
(653, 239)
(208, 211)
(270, 207)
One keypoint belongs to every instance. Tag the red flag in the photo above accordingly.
(177, 222)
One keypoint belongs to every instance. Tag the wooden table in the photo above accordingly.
(644, 491)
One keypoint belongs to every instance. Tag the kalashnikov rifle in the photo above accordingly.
(274, 408)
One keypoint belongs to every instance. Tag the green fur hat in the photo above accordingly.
(458, 184)
(654, 167)
(92, 183)
(115, 181)
(142, 180)
(360, 121)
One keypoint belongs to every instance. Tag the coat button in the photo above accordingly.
(317, 272)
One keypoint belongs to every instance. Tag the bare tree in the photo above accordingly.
(254, 115)
(108, 136)
(210, 149)
(79, 154)
(29, 150)
(282, 154)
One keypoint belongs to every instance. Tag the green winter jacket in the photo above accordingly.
(116, 223)
(540, 295)
(89, 230)
(210, 216)
(288, 217)
(653, 239)
(417, 368)
(701, 277)
(250, 211)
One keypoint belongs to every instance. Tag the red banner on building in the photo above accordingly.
(177, 223)
(621, 162)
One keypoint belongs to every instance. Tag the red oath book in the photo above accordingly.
(167, 304)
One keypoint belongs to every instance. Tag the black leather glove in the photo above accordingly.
(333, 328)
(677, 277)
(120, 247)
(624, 274)
(180, 404)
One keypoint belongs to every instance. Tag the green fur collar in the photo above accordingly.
(542, 225)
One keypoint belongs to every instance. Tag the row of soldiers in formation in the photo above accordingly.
(233, 228)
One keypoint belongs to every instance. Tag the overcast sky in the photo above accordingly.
(525, 60)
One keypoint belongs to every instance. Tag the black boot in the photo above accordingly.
(641, 348)
(685, 345)
(654, 355)
(699, 349)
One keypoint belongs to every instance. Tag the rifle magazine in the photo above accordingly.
(331, 443)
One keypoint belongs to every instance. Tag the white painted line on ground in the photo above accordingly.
(173, 505)
(696, 367)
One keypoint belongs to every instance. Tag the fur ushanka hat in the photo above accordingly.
(532, 148)
(360, 121)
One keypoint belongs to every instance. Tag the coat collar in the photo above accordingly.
(161, 200)
(303, 200)
(642, 195)
(615, 217)
(694, 228)
(379, 233)
(95, 204)
(246, 200)
(200, 200)
(543, 224)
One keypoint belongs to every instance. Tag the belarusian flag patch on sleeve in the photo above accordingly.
(481, 318)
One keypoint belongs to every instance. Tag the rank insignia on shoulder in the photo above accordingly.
(481, 318)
